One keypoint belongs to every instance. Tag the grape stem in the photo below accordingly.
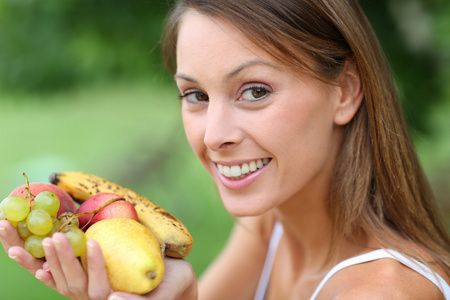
(29, 196)
(93, 212)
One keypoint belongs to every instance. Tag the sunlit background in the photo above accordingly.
(83, 87)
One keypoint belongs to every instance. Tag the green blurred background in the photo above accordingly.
(83, 87)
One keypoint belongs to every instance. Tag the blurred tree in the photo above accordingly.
(405, 29)
(48, 45)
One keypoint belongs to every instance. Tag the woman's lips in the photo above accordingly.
(240, 176)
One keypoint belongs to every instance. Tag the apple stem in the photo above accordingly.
(29, 196)
(93, 212)
(87, 223)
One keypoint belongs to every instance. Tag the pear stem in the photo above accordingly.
(151, 275)
(93, 212)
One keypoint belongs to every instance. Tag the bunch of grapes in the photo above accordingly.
(35, 218)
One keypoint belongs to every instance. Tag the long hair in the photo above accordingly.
(379, 186)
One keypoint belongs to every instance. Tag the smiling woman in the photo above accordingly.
(289, 106)
(227, 126)
(302, 86)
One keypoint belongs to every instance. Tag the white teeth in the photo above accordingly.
(235, 171)
(245, 168)
(259, 163)
(226, 171)
(239, 171)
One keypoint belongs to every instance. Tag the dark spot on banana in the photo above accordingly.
(53, 178)
(167, 215)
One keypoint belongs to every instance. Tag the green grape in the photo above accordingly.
(22, 229)
(39, 222)
(33, 245)
(2, 215)
(55, 227)
(65, 217)
(47, 201)
(16, 208)
(77, 239)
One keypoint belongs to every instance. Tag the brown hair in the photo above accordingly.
(379, 186)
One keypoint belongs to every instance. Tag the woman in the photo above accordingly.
(291, 109)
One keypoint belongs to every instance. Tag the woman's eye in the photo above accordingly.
(254, 93)
(195, 97)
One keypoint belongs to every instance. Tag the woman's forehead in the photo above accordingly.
(203, 38)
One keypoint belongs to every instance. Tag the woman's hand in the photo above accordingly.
(13, 245)
(63, 272)
(179, 282)
(69, 279)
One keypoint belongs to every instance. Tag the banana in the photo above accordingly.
(171, 233)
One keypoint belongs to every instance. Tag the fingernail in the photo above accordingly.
(46, 246)
(2, 231)
(90, 248)
(15, 258)
(116, 297)
(45, 267)
(57, 244)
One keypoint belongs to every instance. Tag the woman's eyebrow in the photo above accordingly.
(184, 77)
(245, 65)
(232, 73)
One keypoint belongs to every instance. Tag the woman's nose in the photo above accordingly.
(222, 127)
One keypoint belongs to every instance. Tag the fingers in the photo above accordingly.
(99, 287)
(68, 275)
(45, 276)
(9, 236)
(25, 259)
(13, 245)
(62, 271)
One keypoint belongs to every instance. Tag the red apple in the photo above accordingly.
(118, 209)
(66, 202)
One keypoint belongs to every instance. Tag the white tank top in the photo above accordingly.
(370, 256)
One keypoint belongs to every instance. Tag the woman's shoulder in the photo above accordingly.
(384, 278)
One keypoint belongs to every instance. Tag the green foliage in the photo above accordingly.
(48, 45)
(408, 32)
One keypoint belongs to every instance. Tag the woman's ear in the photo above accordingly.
(350, 93)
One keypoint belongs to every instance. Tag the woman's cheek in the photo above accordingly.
(195, 134)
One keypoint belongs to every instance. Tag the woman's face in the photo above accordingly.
(264, 133)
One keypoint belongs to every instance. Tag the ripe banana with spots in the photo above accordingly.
(170, 232)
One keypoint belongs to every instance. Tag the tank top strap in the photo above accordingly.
(261, 289)
(388, 253)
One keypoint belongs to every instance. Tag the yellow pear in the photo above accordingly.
(133, 257)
